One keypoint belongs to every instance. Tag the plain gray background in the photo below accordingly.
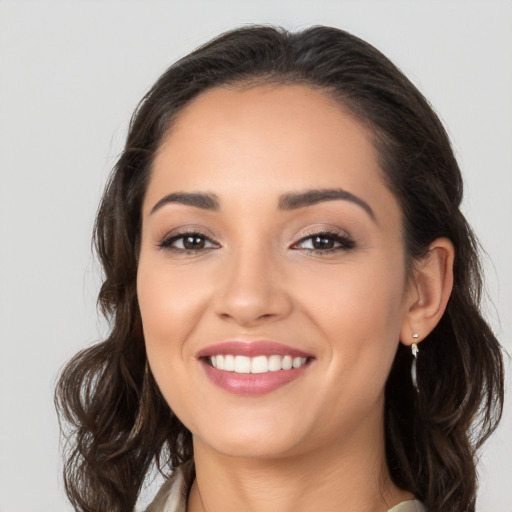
(71, 73)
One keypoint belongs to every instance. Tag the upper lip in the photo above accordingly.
(251, 349)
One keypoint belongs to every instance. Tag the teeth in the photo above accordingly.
(258, 364)
(242, 364)
(274, 363)
(229, 363)
(287, 363)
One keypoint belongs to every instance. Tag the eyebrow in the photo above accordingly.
(197, 199)
(207, 201)
(312, 197)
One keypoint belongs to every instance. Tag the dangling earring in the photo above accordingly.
(414, 350)
(143, 404)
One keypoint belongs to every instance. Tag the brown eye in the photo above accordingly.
(322, 242)
(325, 242)
(191, 242)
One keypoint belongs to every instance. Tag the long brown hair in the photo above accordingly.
(118, 424)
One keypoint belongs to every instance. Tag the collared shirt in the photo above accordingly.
(172, 496)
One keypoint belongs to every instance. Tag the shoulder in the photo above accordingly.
(172, 496)
(409, 506)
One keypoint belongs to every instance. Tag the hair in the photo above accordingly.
(119, 425)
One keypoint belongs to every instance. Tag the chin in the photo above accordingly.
(256, 440)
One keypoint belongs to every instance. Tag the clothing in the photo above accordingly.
(172, 496)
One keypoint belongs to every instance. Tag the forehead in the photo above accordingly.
(295, 112)
(257, 141)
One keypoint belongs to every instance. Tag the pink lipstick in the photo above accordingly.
(254, 368)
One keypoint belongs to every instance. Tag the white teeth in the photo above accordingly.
(242, 364)
(274, 363)
(287, 363)
(297, 361)
(229, 363)
(258, 364)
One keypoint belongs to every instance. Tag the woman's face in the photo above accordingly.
(270, 240)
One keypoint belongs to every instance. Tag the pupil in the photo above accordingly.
(193, 242)
(320, 242)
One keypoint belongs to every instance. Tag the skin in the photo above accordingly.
(316, 443)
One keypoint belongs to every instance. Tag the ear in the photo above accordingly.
(428, 292)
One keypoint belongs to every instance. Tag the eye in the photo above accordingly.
(325, 242)
(188, 242)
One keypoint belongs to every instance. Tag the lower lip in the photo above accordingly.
(252, 384)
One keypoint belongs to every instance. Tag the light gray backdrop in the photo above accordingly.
(71, 73)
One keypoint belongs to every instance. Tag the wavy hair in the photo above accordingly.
(116, 421)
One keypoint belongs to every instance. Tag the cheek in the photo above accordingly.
(358, 298)
(360, 312)
(170, 302)
(170, 307)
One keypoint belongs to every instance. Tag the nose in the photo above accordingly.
(253, 289)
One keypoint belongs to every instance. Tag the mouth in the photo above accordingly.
(255, 368)
(258, 364)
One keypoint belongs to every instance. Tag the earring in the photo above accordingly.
(414, 350)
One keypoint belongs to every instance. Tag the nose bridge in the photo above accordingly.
(250, 286)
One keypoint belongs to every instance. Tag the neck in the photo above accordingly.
(340, 478)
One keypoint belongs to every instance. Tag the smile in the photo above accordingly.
(255, 368)
(258, 364)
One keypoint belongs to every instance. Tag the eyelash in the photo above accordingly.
(345, 242)
(167, 242)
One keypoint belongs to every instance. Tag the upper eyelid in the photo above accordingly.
(323, 231)
(187, 230)
(326, 232)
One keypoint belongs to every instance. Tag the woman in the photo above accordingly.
(294, 293)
